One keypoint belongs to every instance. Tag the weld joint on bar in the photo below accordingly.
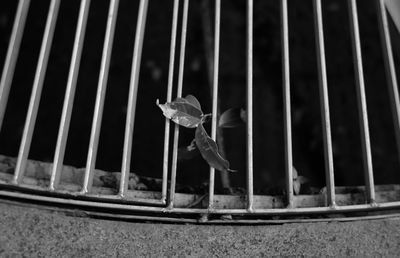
(121, 195)
(163, 200)
(290, 205)
(333, 206)
(373, 203)
(14, 181)
(83, 191)
(170, 206)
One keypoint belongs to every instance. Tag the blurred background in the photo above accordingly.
(268, 96)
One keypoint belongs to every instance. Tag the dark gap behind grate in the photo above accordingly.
(50, 107)
(85, 94)
(8, 10)
(232, 84)
(308, 154)
(384, 150)
(268, 102)
(193, 172)
(345, 116)
(115, 108)
(21, 87)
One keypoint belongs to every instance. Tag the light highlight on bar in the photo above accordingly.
(286, 103)
(133, 88)
(361, 101)
(36, 91)
(217, 32)
(249, 108)
(178, 95)
(390, 68)
(69, 95)
(12, 55)
(171, 67)
(100, 96)
(324, 99)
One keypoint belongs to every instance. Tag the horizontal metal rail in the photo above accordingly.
(219, 221)
(163, 210)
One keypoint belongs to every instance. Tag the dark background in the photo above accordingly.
(268, 120)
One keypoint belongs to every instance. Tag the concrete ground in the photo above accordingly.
(32, 232)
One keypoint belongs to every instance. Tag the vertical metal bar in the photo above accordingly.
(12, 55)
(249, 124)
(36, 90)
(215, 94)
(389, 68)
(179, 94)
(286, 103)
(133, 89)
(101, 93)
(169, 98)
(69, 95)
(393, 8)
(324, 99)
(362, 102)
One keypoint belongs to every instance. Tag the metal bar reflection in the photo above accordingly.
(101, 93)
(69, 95)
(133, 89)
(215, 94)
(249, 96)
(36, 90)
(179, 94)
(286, 103)
(12, 55)
(362, 102)
(169, 98)
(324, 99)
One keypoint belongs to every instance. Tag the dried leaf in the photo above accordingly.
(185, 112)
(192, 100)
(295, 174)
(209, 150)
(243, 115)
(298, 181)
(303, 179)
(232, 117)
(296, 187)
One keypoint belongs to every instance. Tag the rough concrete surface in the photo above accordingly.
(32, 232)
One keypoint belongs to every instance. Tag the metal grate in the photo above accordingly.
(168, 202)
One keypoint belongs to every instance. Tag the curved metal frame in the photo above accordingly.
(172, 203)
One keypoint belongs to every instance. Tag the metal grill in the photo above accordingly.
(168, 202)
